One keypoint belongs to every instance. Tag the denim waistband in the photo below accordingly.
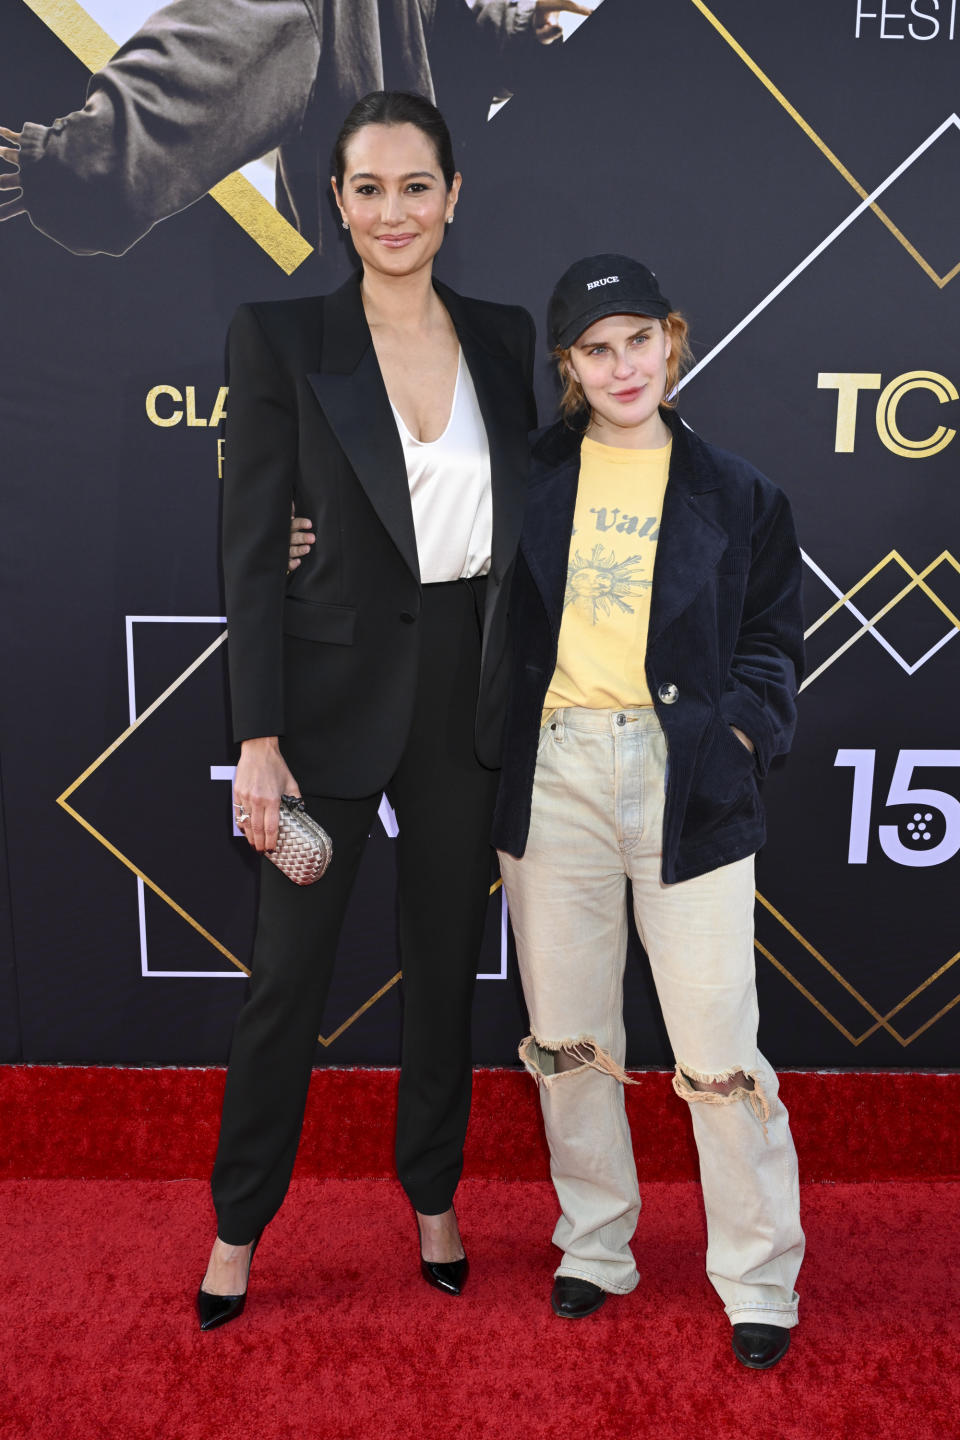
(604, 722)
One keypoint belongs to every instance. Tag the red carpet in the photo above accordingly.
(104, 1231)
(99, 1122)
(342, 1340)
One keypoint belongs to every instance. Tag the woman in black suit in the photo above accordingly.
(395, 413)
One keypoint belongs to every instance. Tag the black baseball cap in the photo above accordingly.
(597, 286)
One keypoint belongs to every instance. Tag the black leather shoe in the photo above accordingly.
(214, 1310)
(760, 1346)
(450, 1276)
(573, 1298)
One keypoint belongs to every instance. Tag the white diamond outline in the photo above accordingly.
(145, 972)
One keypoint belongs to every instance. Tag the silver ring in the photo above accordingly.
(242, 814)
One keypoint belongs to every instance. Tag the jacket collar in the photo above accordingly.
(690, 542)
(558, 445)
(351, 391)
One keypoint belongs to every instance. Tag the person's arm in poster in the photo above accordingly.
(202, 88)
(513, 30)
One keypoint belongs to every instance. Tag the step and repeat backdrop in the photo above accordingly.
(791, 172)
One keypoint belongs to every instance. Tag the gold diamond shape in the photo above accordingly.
(63, 801)
(879, 1021)
(917, 581)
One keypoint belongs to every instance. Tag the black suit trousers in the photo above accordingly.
(443, 798)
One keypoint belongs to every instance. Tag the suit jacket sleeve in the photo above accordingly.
(203, 87)
(259, 476)
(768, 662)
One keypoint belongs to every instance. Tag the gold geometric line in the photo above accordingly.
(79, 32)
(918, 581)
(947, 965)
(242, 201)
(944, 556)
(329, 1039)
(839, 604)
(931, 594)
(939, 280)
(831, 970)
(908, 1040)
(111, 748)
(374, 998)
(144, 715)
(806, 993)
(262, 222)
(932, 1021)
(882, 1022)
(154, 887)
(815, 674)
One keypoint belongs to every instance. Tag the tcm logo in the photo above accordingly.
(607, 280)
(848, 385)
(907, 19)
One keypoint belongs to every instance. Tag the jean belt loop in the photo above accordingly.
(557, 723)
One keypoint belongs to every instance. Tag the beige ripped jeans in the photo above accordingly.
(596, 823)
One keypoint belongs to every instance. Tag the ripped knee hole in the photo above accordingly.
(739, 1081)
(727, 1087)
(549, 1061)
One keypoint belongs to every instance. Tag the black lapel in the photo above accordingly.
(690, 543)
(351, 391)
(499, 383)
(548, 521)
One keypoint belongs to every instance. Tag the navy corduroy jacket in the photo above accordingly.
(725, 642)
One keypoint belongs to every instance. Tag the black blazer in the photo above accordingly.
(328, 659)
(725, 642)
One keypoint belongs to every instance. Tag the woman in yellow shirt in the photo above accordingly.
(658, 637)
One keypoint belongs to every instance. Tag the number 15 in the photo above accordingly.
(863, 762)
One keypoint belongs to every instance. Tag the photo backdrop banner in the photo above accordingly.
(791, 173)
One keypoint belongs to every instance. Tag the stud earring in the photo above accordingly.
(344, 224)
(449, 219)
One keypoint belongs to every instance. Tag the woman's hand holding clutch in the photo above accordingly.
(262, 777)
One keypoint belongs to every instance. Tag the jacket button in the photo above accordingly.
(406, 617)
(668, 693)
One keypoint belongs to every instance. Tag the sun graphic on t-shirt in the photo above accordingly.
(599, 584)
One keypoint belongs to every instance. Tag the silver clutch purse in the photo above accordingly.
(304, 849)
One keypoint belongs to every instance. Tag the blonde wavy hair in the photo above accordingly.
(573, 405)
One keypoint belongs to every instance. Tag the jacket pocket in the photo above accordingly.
(310, 620)
(725, 764)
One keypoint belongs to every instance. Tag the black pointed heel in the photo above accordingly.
(450, 1276)
(214, 1310)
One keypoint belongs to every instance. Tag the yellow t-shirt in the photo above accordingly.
(606, 606)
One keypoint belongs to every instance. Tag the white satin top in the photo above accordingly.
(449, 482)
